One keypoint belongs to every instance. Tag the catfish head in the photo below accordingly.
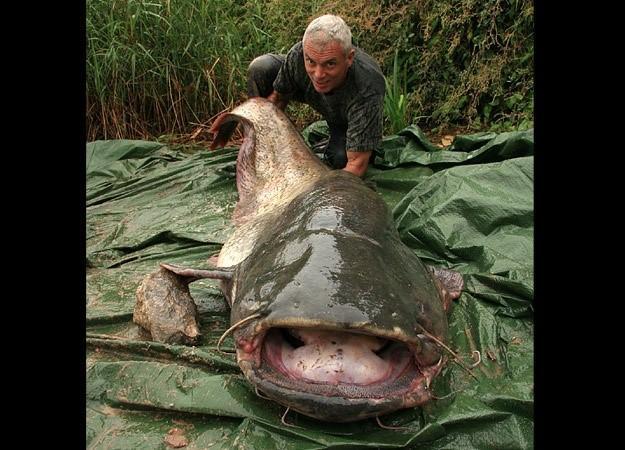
(338, 319)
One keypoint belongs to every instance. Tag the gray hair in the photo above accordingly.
(329, 28)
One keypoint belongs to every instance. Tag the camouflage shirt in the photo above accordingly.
(356, 106)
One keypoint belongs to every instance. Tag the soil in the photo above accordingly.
(188, 144)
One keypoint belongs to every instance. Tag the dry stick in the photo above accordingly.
(388, 427)
(233, 327)
(456, 357)
(107, 336)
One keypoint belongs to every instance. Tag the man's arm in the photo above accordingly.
(364, 131)
(278, 99)
(357, 162)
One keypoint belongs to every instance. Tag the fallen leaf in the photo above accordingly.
(175, 438)
(447, 140)
(515, 340)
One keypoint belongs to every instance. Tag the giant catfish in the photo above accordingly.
(332, 315)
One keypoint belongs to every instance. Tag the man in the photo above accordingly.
(338, 80)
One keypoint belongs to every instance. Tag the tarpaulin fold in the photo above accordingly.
(468, 207)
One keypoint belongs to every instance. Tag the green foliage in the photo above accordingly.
(162, 67)
(395, 100)
(473, 60)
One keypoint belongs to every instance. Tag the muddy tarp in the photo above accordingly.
(468, 207)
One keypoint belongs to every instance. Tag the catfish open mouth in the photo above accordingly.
(337, 364)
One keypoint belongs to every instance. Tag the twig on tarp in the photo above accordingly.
(108, 336)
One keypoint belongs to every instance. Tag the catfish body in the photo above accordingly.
(332, 314)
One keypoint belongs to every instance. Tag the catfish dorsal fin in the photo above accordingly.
(450, 284)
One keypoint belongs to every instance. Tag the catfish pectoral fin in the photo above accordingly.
(450, 284)
(191, 275)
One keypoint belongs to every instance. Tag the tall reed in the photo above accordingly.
(395, 111)
(160, 66)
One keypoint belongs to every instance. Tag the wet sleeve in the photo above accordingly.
(364, 124)
(285, 82)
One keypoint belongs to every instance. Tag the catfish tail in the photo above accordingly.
(222, 129)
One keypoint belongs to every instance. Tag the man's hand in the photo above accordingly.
(357, 163)
(277, 99)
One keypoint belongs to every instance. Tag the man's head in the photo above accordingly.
(328, 52)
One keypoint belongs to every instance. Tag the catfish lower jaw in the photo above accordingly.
(304, 370)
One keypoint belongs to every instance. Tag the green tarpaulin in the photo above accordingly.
(468, 207)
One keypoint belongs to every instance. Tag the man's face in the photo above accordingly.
(326, 65)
